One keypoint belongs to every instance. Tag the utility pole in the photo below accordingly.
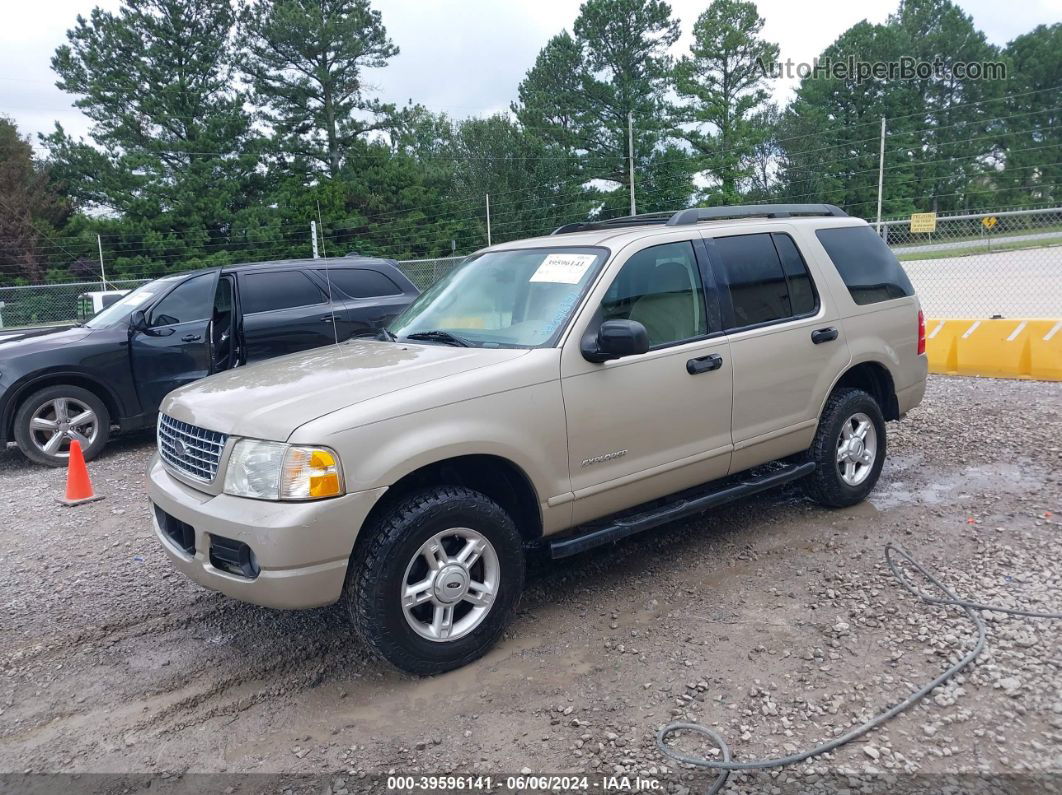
(488, 218)
(103, 273)
(630, 156)
(313, 234)
(881, 173)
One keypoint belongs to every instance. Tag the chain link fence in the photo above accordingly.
(981, 265)
(1006, 263)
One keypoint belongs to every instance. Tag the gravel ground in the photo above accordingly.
(773, 620)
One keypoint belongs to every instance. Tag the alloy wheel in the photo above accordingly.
(450, 584)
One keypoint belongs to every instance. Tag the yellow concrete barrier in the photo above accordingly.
(997, 348)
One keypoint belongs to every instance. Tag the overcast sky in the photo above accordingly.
(464, 57)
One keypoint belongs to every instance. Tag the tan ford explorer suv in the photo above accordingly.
(559, 392)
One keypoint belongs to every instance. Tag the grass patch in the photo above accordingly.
(982, 248)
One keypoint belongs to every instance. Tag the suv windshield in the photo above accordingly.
(120, 311)
(521, 298)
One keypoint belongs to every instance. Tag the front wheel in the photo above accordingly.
(848, 450)
(434, 582)
(51, 418)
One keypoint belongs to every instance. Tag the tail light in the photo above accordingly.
(921, 333)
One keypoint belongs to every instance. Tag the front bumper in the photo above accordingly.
(302, 548)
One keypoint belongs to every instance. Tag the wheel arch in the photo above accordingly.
(874, 378)
(497, 477)
(61, 378)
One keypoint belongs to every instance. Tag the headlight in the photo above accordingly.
(277, 471)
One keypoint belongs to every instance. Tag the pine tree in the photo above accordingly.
(724, 82)
(582, 89)
(172, 148)
(305, 60)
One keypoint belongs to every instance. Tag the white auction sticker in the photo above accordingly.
(563, 268)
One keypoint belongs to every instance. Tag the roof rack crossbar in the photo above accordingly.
(695, 215)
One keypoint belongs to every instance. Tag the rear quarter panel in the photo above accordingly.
(885, 332)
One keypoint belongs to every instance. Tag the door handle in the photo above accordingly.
(704, 364)
(821, 335)
(329, 319)
(192, 338)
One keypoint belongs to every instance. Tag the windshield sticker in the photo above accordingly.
(137, 299)
(563, 268)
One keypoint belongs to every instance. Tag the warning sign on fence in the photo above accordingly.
(923, 222)
(989, 221)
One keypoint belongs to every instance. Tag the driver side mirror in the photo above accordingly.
(138, 324)
(616, 338)
(138, 321)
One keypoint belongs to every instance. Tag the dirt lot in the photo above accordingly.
(773, 619)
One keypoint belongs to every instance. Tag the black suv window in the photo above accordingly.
(359, 282)
(766, 277)
(266, 291)
(188, 301)
(869, 269)
(660, 287)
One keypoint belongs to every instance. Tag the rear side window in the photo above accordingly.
(360, 283)
(802, 298)
(766, 277)
(869, 269)
(266, 291)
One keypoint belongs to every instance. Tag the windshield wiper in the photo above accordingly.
(374, 333)
(444, 337)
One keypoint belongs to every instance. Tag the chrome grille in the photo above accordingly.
(189, 449)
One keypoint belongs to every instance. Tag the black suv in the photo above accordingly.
(76, 382)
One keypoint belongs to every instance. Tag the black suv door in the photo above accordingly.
(284, 311)
(174, 347)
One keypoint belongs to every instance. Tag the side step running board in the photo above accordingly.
(679, 509)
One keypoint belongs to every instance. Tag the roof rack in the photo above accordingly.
(609, 223)
(695, 215)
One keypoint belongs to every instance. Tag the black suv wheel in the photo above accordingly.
(49, 419)
(849, 449)
(433, 583)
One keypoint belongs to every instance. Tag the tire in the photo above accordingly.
(44, 406)
(390, 555)
(837, 481)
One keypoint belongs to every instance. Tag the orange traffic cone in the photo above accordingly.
(78, 485)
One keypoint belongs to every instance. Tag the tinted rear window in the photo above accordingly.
(869, 269)
(360, 283)
(268, 290)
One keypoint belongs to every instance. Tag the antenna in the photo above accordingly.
(328, 275)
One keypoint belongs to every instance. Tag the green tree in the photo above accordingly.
(582, 89)
(829, 136)
(30, 208)
(534, 186)
(172, 150)
(1032, 124)
(305, 61)
(723, 82)
(956, 114)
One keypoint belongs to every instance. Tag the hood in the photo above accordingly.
(16, 341)
(272, 399)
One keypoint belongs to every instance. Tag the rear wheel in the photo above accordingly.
(848, 450)
(51, 418)
(433, 583)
